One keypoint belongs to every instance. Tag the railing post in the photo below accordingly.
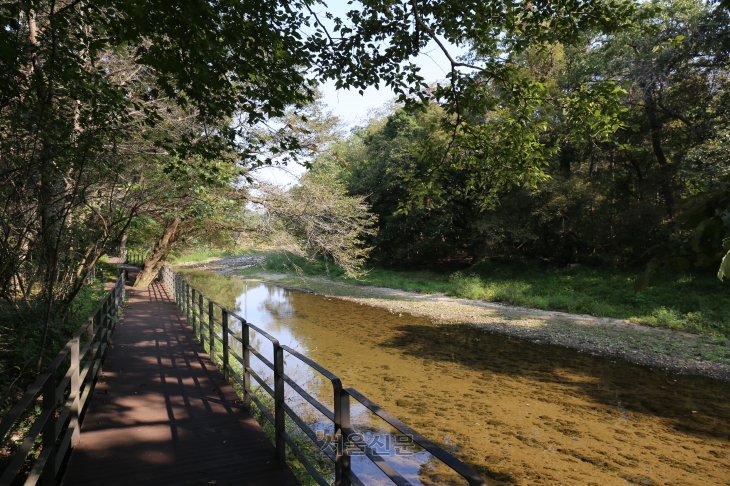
(104, 323)
(246, 355)
(193, 317)
(342, 428)
(279, 420)
(49, 428)
(187, 301)
(75, 393)
(90, 331)
(116, 302)
(200, 314)
(211, 331)
(224, 341)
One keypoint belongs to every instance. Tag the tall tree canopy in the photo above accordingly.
(619, 155)
(114, 111)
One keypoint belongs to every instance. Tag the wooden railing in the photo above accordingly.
(60, 394)
(207, 317)
(136, 258)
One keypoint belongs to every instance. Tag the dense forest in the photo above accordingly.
(634, 178)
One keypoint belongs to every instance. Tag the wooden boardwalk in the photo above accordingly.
(162, 413)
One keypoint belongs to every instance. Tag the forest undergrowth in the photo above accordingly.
(20, 343)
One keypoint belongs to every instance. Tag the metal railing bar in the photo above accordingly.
(65, 381)
(382, 464)
(237, 378)
(236, 356)
(262, 382)
(62, 448)
(84, 371)
(234, 336)
(190, 300)
(80, 332)
(87, 366)
(87, 346)
(308, 430)
(87, 390)
(327, 374)
(269, 416)
(261, 357)
(231, 370)
(63, 415)
(305, 462)
(313, 401)
(257, 329)
(462, 469)
(354, 480)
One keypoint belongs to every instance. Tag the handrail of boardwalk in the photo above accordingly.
(202, 314)
(63, 390)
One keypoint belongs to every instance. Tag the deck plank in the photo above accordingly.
(162, 413)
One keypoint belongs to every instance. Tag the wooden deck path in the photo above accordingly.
(162, 413)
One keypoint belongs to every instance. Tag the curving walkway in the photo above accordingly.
(162, 413)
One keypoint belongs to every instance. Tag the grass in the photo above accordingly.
(201, 254)
(695, 302)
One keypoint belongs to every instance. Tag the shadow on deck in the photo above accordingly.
(163, 414)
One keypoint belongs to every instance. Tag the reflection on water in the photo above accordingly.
(516, 412)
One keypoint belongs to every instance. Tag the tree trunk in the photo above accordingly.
(665, 168)
(123, 246)
(156, 258)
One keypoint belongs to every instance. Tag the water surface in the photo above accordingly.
(517, 412)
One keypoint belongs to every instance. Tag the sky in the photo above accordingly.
(352, 108)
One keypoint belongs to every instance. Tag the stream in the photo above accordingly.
(518, 413)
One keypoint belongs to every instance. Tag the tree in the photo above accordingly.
(82, 87)
(95, 97)
(600, 194)
(317, 218)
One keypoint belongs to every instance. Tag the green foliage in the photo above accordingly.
(467, 286)
(20, 334)
(583, 152)
(301, 439)
(317, 218)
